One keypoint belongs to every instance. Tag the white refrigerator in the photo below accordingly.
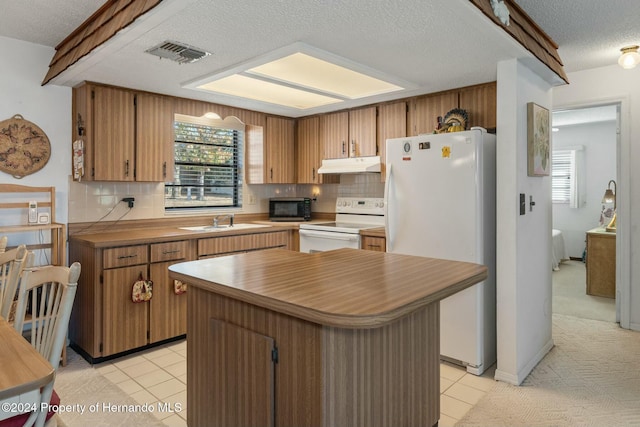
(440, 203)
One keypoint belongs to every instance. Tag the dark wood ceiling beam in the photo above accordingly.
(526, 32)
(113, 16)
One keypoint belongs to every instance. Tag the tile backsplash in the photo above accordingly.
(95, 201)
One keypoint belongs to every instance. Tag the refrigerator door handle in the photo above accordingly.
(387, 198)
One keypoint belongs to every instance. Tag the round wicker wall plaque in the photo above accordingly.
(24, 147)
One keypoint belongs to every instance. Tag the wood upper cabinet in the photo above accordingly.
(308, 153)
(279, 151)
(480, 103)
(423, 117)
(112, 134)
(362, 132)
(270, 152)
(349, 133)
(334, 135)
(392, 123)
(154, 138)
(128, 136)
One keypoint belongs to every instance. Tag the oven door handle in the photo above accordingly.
(330, 235)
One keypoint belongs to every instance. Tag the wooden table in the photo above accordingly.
(344, 337)
(22, 368)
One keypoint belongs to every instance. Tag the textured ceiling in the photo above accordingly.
(435, 44)
(589, 33)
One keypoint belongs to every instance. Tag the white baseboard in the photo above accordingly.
(517, 379)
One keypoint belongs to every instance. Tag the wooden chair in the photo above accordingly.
(50, 292)
(12, 262)
(3, 244)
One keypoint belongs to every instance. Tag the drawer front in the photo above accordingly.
(125, 256)
(168, 251)
(242, 243)
(374, 243)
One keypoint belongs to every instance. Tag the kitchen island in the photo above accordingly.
(345, 337)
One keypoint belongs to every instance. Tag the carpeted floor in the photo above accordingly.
(590, 378)
(570, 294)
(81, 386)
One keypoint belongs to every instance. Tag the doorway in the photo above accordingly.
(588, 139)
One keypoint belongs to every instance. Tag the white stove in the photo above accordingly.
(352, 215)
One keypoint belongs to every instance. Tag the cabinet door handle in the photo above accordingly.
(127, 256)
(271, 173)
(126, 168)
(344, 148)
(353, 148)
(164, 169)
(313, 174)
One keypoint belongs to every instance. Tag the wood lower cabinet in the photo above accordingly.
(105, 321)
(601, 263)
(168, 310)
(125, 323)
(254, 371)
(225, 245)
(378, 244)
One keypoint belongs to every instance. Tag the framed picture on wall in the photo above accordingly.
(538, 146)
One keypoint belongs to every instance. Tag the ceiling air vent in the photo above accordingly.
(179, 52)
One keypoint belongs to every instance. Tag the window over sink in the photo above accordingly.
(208, 157)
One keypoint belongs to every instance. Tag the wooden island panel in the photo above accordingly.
(298, 367)
(356, 333)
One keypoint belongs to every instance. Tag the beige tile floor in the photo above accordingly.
(160, 375)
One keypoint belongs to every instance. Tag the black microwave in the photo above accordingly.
(290, 209)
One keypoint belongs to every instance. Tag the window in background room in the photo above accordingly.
(208, 162)
(565, 180)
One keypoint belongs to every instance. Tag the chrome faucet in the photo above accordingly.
(219, 218)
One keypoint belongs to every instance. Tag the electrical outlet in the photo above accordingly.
(251, 200)
(129, 200)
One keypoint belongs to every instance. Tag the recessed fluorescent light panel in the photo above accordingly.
(298, 79)
(260, 90)
(312, 73)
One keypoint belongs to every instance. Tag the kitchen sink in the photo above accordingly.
(222, 227)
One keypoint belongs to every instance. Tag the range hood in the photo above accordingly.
(351, 165)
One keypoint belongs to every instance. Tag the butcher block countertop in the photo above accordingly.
(344, 288)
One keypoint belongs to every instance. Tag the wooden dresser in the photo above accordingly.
(601, 263)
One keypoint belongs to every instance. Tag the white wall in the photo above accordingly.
(606, 85)
(23, 67)
(599, 166)
(523, 241)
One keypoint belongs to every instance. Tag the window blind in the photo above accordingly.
(207, 167)
(564, 177)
